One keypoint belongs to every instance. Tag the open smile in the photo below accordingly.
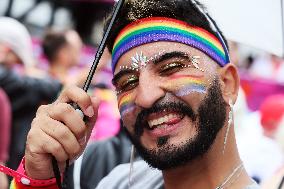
(164, 123)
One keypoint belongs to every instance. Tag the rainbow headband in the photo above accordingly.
(153, 29)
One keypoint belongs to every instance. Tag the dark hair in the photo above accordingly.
(184, 10)
(52, 43)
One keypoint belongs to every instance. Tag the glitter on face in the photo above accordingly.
(139, 60)
(126, 104)
(195, 62)
(183, 85)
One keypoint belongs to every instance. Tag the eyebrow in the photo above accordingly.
(170, 55)
(121, 73)
(161, 58)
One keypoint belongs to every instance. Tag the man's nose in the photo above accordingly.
(148, 90)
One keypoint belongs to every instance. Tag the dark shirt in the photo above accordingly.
(26, 94)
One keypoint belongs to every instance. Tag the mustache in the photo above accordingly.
(141, 120)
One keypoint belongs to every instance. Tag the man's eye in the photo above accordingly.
(171, 68)
(130, 83)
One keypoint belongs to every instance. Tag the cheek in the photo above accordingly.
(183, 85)
(126, 105)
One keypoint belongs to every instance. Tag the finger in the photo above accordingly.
(55, 148)
(59, 132)
(78, 96)
(92, 120)
(40, 143)
(42, 110)
(66, 114)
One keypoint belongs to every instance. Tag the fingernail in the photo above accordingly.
(90, 111)
(82, 141)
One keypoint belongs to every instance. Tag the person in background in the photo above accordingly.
(25, 93)
(16, 51)
(62, 50)
(15, 43)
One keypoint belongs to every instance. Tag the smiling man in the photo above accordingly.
(175, 89)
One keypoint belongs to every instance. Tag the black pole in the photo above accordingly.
(87, 84)
(102, 45)
(9, 8)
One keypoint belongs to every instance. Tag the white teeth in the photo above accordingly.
(163, 119)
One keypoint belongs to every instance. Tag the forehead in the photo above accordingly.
(151, 50)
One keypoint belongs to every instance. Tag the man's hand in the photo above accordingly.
(59, 130)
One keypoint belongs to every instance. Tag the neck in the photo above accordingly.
(58, 70)
(212, 169)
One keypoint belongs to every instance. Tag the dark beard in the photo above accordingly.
(209, 120)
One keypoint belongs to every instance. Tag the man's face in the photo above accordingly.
(170, 102)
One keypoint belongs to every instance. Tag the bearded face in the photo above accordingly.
(170, 102)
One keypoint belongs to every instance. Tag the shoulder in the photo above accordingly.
(253, 186)
(142, 177)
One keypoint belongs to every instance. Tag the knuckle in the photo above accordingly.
(56, 148)
(30, 135)
(32, 145)
(62, 132)
(35, 123)
(81, 132)
(42, 109)
(67, 108)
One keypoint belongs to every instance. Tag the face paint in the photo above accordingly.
(126, 104)
(183, 85)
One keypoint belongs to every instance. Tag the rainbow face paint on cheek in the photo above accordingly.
(126, 104)
(183, 85)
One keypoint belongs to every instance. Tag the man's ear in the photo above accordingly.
(230, 82)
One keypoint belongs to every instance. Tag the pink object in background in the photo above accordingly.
(5, 126)
(257, 90)
(108, 121)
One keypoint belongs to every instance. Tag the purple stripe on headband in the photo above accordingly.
(166, 37)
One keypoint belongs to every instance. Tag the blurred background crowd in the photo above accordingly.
(48, 44)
